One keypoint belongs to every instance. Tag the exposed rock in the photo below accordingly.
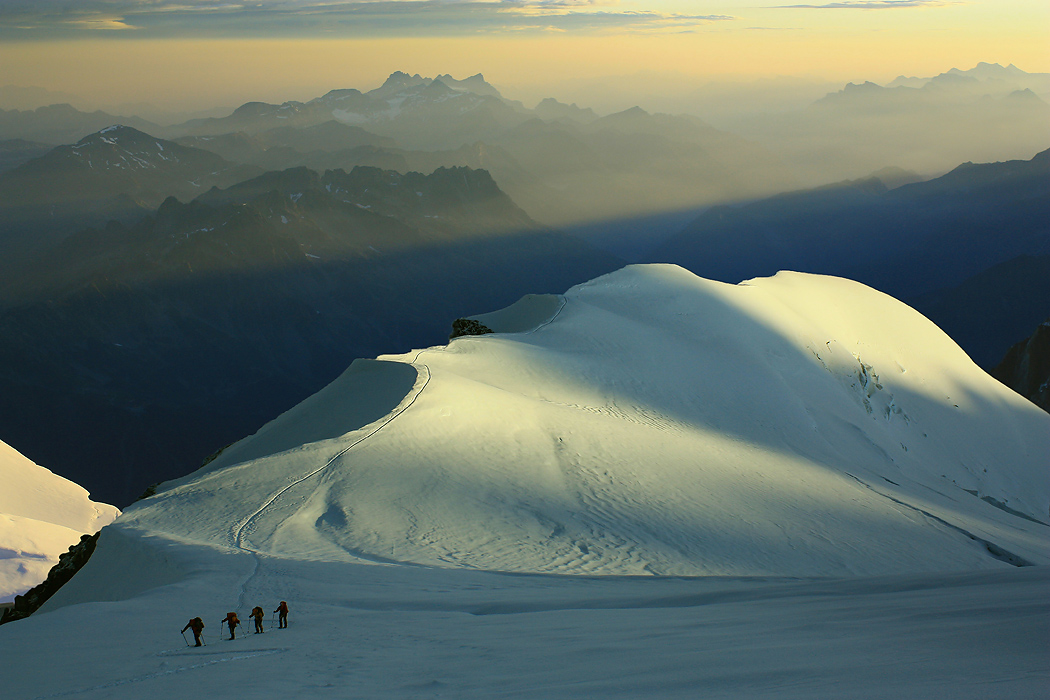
(468, 326)
(68, 565)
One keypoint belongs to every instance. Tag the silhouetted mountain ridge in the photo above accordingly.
(1026, 367)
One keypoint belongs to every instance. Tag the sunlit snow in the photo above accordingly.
(41, 515)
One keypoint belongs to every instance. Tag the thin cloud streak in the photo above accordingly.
(353, 18)
(871, 5)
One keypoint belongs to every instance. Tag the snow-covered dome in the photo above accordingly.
(41, 515)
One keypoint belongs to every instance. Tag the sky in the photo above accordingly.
(223, 50)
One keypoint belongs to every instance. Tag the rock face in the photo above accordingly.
(467, 326)
(1026, 367)
(68, 564)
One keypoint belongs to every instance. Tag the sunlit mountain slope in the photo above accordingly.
(41, 515)
(648, 422)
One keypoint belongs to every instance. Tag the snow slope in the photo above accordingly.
(41, 515)
(820, 494)
(660, 424)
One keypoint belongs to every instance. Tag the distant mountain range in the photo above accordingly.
(561, 162)
(984, 78)
(63, 124)
(929, 125)
(116, 173)
(418, 112)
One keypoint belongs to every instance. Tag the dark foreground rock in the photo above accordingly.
(68, 565)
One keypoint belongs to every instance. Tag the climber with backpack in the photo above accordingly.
(258, 615)
(197, 625)
(231, 622)
(282, 617)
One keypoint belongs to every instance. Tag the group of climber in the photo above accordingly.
(231, 621)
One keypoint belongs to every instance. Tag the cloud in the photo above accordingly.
(351, 18)
(871, 5)
(101, 23)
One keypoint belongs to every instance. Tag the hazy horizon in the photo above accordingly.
(210, 56)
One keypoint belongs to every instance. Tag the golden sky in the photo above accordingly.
(209, 52)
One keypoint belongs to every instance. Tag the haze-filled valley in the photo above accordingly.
(660, 389)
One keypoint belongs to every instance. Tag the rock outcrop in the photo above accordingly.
(68, 565)
(467, 326)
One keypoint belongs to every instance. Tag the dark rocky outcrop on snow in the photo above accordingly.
(69, 563)
(468, 326)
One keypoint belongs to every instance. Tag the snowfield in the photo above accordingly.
(41, 515)
(652, 486)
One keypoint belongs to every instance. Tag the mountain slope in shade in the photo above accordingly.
(1026, 367)
(648, 422)
(993, 310)
(117, 160)
(919, 242)
(41, 515)
(62, 123)
(118, 173)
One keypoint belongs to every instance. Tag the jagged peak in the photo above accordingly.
(475, 84)
(402, 79)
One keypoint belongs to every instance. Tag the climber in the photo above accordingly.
(282, 617)
(258, 615)
(231, 622)
(197, 625)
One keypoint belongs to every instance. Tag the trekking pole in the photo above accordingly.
(272, 616)
(184, 638)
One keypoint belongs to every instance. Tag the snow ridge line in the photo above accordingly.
(994, 550)
(549, 321)
(244, 526)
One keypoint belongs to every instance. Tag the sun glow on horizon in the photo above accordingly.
(202, 60)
